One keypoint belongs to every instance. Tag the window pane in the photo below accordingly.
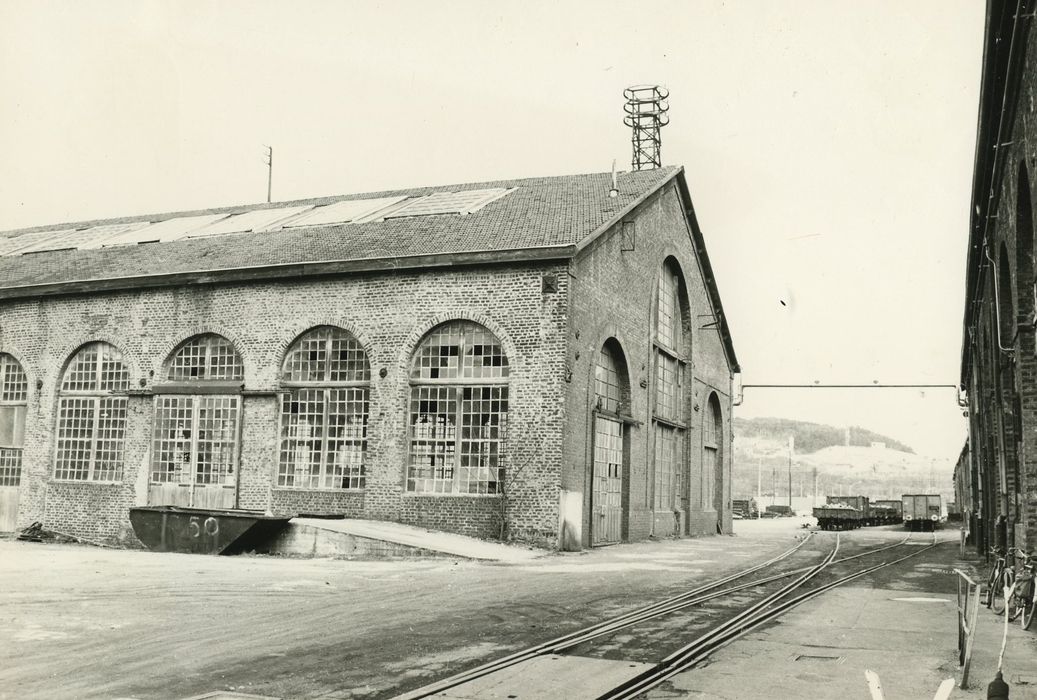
(347, 438)
(111, 433)
(668, 380)
(10, 466)
(13, 385)
(302, 438)
(606, 381)
(665, 466)
(459, 349)
(326, 354)
(174, 431)
(96, 367)
(668, 320)
(484, 422)
(75, 437)
(433, 418)
(206, 357)
(216, 444)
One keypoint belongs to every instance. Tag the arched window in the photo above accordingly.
(669, 428)
(14, 392)
(196, 424)
(712, 441)
(458, 411)
(324, 413)
(92, 415)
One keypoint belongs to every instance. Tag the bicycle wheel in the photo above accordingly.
(988, 594)
(997, 593)
(1030, 605)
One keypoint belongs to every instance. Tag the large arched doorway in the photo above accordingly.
(196, 440)
(611, 398)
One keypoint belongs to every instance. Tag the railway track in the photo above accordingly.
(770, 606)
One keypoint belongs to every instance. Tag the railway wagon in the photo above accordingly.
(888, 512)
(922, 511)
(838, 516)
(861, 503)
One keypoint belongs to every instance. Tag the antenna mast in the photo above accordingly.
(270, 170)
(646, 109)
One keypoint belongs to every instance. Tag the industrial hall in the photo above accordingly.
(542, 360)
(996, 475)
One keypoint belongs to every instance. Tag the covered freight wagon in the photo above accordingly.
(922, 511)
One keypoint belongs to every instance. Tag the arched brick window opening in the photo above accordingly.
(458, 411)
(197, 421)
(92, 406)
(670, 353)
(611, 403)
(712, 455)
(1025, 286)
(14, 394)
(324, 414)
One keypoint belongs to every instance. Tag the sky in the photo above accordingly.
(828, 145)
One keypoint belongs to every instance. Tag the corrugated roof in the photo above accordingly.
(537, 213)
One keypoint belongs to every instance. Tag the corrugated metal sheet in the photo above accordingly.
(345, 212)
(255, 220)
(448, 203)
(169, 230)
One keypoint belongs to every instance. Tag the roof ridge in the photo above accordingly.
(416, 191)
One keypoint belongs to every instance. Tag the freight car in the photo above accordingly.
(860, 503)
(837, 516)
(888, 512)
(922, 511)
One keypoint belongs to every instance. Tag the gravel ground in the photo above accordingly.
(83, 622)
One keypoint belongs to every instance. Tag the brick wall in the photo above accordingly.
(388, 313)
(612, 291)
(1003, 405)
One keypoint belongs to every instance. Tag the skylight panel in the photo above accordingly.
(256, 220)
(464, 202)
(71, 239)
(163, 231)
(346, 212)
(15, 245)
(98, 236)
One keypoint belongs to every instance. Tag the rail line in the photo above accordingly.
(644, 613)
(764, 611)
(696, 596)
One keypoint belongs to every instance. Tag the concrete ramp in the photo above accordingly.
(376, 539)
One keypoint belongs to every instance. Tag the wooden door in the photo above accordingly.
(195, 451)
(607, 493)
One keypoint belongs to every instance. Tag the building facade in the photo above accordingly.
(996, 478)
(537, 360)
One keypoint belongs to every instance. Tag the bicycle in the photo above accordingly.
(1024, 597)
(1001, 576)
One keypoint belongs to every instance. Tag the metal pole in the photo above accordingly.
(792, 446)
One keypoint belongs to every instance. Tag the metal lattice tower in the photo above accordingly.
(646, 109)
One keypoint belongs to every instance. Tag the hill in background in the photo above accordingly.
(829, 460)
(811, 437)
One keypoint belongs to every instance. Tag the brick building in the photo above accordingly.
(544, 358)
(997, 476)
